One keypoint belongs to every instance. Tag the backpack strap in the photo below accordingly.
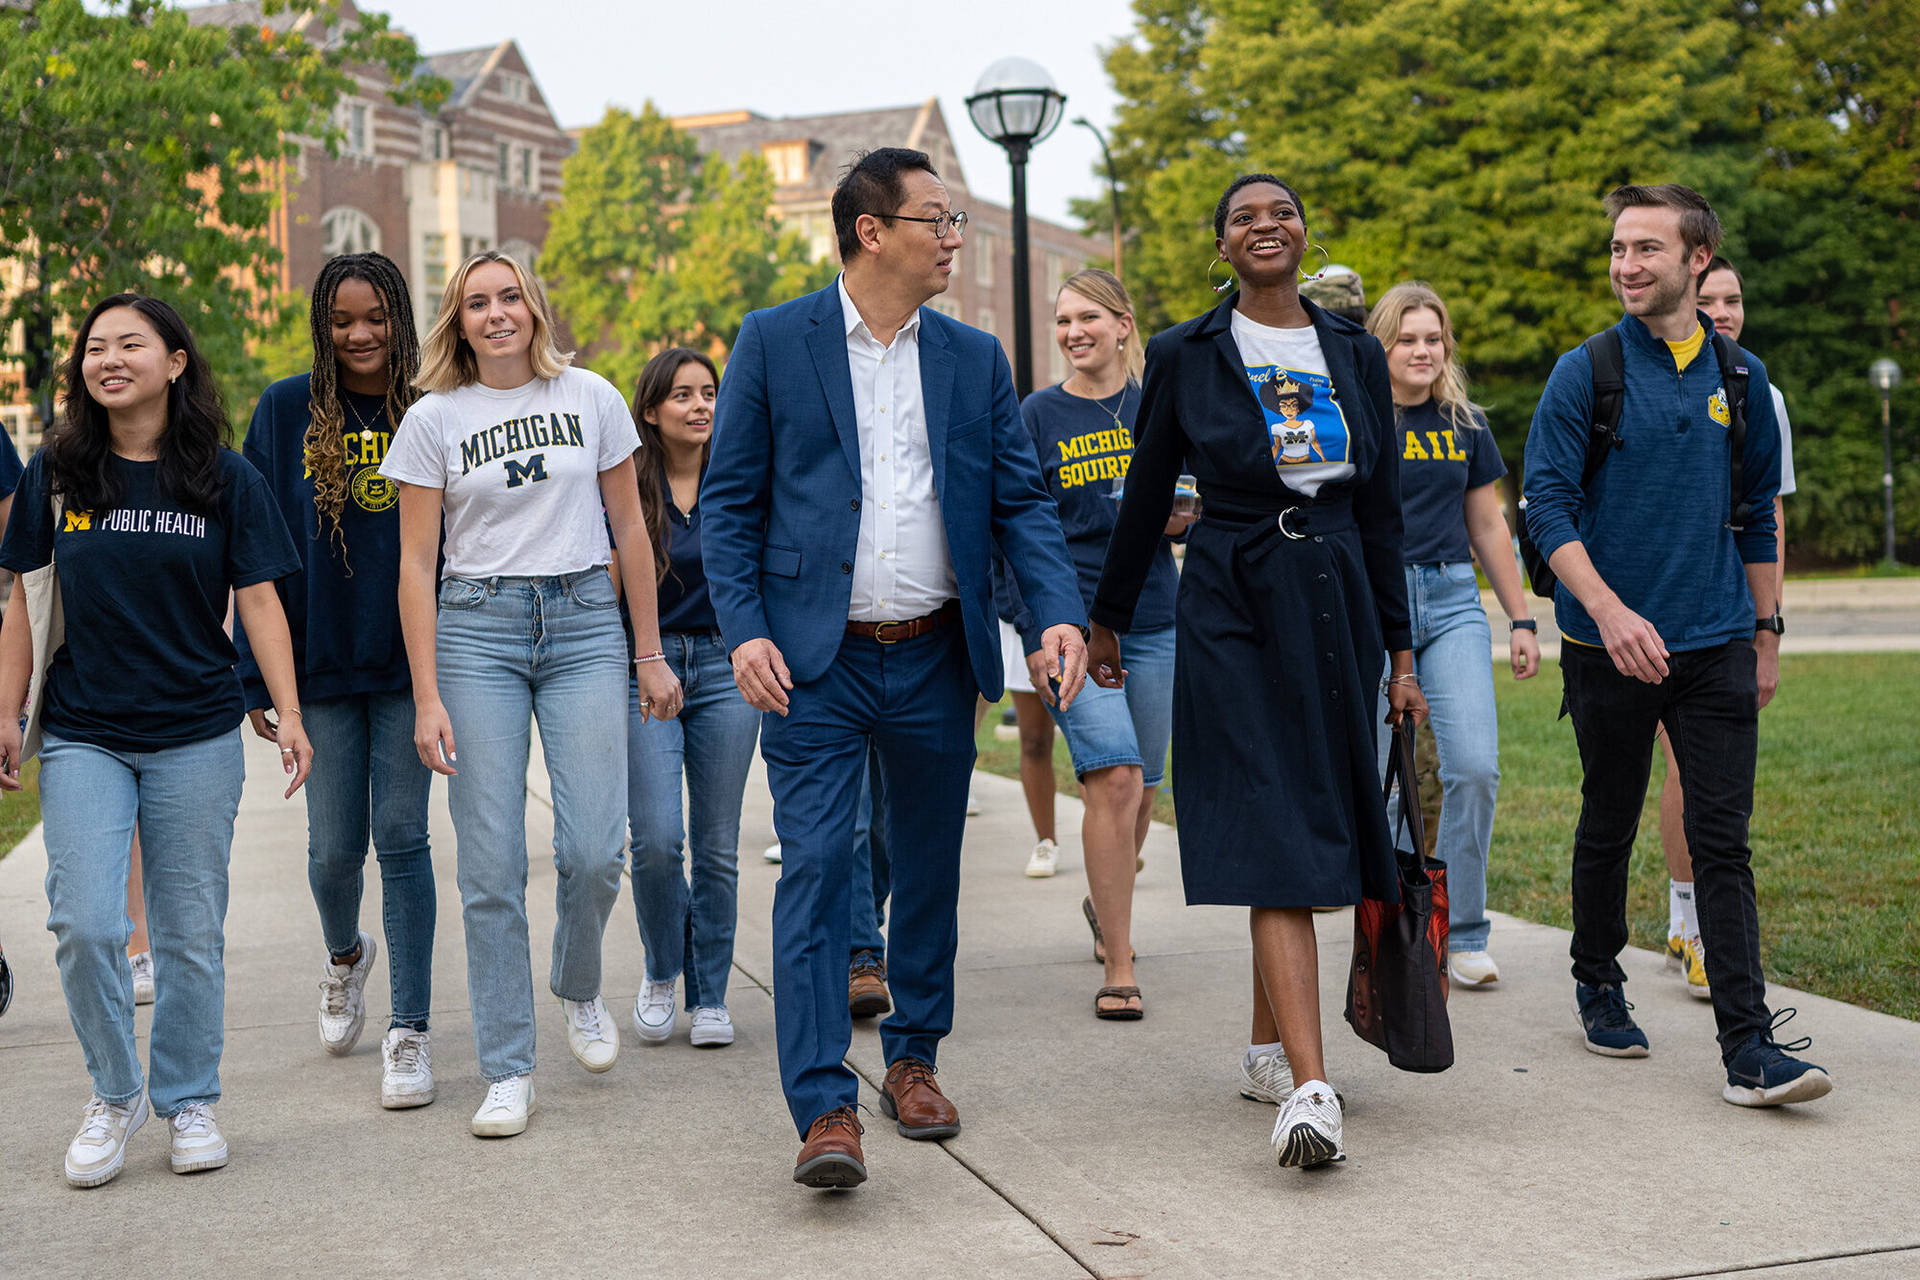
(1609, 394)
(1733, 380)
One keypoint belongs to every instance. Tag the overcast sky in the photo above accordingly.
(791, 57)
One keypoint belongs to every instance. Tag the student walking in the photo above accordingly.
(1667, 598)
(151, 523)
(1292, 590)
(518, 451)
(686, 870)
(1450, 504)
(319, 438)
(1082, 431)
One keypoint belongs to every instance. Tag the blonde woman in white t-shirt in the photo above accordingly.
(517, 452)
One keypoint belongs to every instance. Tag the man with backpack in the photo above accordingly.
(1651, 470)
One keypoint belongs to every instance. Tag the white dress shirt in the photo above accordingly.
(902, 567)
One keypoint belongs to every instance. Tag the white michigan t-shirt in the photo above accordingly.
(1306, 428)
(520, 469)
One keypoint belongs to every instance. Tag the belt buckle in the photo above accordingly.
(1281, 520)
(880, 631)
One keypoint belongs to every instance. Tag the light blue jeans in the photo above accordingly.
(184, 800)
(1452, 654)
(368, 784)
(689, 927)
(551, 649)
(1108, 727)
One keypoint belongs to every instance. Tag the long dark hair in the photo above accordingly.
(325, 446)
(656, 384)
(80, 448)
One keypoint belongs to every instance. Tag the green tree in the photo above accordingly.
(1468, 142)
(652, 246)
(140, 152)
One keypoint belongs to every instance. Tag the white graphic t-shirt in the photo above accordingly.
(521, 470)
(1306, 428)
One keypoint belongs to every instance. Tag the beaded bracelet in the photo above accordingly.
(650, 657)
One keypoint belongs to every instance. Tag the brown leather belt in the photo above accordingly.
(892, 632)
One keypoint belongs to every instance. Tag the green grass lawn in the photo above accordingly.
(1836, 833)
(20, 810)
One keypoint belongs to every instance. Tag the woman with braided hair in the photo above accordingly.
(319, 438)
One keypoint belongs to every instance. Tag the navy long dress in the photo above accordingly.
(1286, 605)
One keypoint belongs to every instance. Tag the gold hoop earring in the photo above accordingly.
(1326, 260)
(1219, 288)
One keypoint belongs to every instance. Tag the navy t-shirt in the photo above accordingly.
(1082, 453)
(10, 468)
(344, 614)
(147, 664)
(1439, 462)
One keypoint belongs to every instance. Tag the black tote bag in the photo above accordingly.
(1397, 987)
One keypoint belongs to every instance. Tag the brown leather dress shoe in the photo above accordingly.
(911, 1099)
(831, 1157)
(867, 995)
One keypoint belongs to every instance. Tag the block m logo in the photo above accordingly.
(78, 520)
(518, 473)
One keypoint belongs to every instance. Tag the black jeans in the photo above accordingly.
(1709, 703)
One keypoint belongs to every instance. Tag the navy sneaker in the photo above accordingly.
(1762, 1075)
(6, 984)
(1610, 1028)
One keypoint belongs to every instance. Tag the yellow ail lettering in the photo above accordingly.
(1453, 451)
(1413, 450)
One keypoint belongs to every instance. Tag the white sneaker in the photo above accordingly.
(197, 1143)
(653, 1012)
(343, 1000)
(1040, 865)
(142, 977)
(505, 1109)
(712, 1027)
(100, 1148)
(1267, 1077)
(973, 804)
(773, 853)
(1307, 1131)
(406, 1069)
(591, 1035)
(1472, 968)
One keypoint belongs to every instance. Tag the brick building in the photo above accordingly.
(806, 154)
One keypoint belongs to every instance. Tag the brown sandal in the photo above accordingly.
(1124, 1013)
(1093, 923)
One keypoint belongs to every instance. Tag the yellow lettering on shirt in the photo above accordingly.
(1414, 451)
(1453, 450)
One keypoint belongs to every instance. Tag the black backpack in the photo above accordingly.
(1609, 393)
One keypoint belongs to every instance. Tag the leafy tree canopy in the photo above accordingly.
(139, 151)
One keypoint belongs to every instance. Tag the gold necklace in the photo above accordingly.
(1119, 404)
(366, 428)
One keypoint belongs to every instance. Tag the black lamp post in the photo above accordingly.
(1884, 374)
(1113, 184)
(1015, 105)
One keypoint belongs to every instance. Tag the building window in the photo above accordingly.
(528, 174)
(470, 245)
(505, 157)
(521, 251)
(355, 121)
(788, 161)
(435, 144)
(346, 230)
(946, 307)
(983, 259)
(983, 319)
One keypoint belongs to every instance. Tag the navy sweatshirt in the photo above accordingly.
(1081, 455)
(1654, 519)
(344, 615)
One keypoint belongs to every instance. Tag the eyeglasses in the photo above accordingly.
(941, 222)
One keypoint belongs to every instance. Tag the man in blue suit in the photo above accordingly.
(868, 456)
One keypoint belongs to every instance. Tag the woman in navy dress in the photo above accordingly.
(1292, 590)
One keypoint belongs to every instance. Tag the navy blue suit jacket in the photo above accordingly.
(781, 499)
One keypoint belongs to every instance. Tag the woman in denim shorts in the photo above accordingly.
(1083, 432)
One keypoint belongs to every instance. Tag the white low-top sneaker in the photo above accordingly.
(772, 854)
(1307, 1131)
(99, 1150)
(142, 963)
(973, 804)
(653, 1012)
(591, 1035)
(505, 1109)
(406, 1069)
(197, 1141)
(712, 1027)
(1040, 865)
(343, 1000)
(1266, 1077)
(1472, 968)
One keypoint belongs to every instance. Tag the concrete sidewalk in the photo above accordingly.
(1090, 1148)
